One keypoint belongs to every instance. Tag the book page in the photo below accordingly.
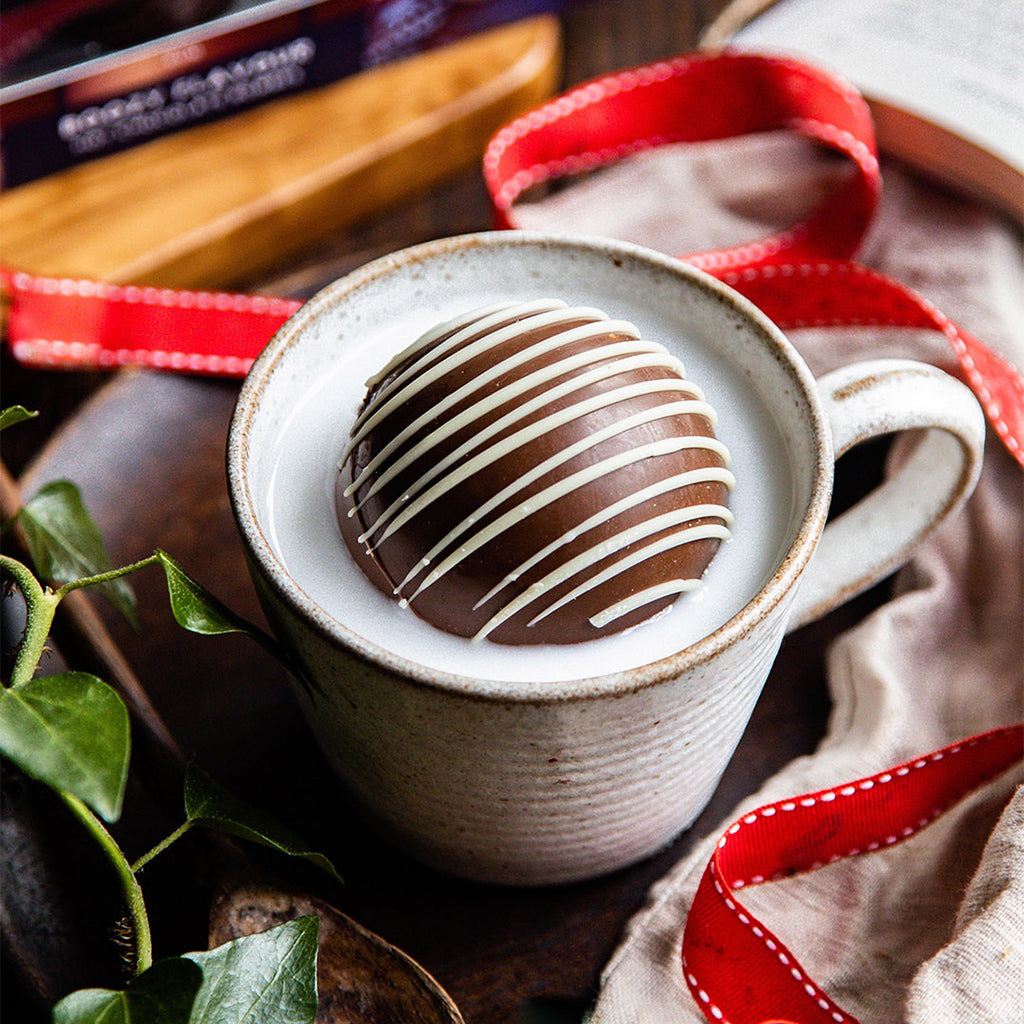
(958, 64)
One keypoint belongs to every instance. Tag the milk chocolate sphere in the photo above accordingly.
(534, 473)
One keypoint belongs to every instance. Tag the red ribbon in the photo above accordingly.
(739, 971)
(800, 277)
(698, 98)
(69, 322)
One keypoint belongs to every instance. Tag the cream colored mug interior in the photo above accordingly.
(309, 382)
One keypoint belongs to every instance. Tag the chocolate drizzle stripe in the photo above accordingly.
(376, 410)
(593, 472)
(643, 597)
(708, 531)
(608, 547)
(525, 355)
(616, 359)
(707, 474)
(428, 349)
(541, 347)
(448, 327)
(559, 489)
(531, 432)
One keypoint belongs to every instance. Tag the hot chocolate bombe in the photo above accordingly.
(534, 472)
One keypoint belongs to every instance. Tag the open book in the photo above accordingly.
(944, 78)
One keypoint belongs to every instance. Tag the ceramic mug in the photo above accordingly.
(533, 766)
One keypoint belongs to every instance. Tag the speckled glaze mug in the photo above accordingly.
(536, 766)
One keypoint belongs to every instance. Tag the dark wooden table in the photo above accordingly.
(147, 451)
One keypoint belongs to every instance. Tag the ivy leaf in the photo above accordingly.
(164, 994)
(71, 732)
(15, 414)
(268, 978)
(208, 803)
(197, 610)
(194, 607)
(66, 545)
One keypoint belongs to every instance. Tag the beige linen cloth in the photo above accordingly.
(931, 930)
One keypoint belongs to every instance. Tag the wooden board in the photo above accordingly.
(221, 203)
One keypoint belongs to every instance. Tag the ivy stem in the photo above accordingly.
(129, 883)
(106, 577)
(161, 846)
(40, 608)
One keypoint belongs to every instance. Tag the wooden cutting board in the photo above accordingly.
(222, 203)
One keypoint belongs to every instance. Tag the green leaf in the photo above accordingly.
(194, 607)
(164, 994)
(197, 610)
(269, 978)
(66, 545)
(15, 414)
(71, 732)
(208, 803)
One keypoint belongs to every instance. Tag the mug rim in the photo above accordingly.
(263, 557)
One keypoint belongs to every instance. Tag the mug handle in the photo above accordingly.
(880, 532)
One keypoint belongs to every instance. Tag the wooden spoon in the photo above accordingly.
(361, 978)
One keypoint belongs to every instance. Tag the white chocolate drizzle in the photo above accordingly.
(452, 335)
(487, 533)
(642, 598)
(680, 480)
(449, 347)
(479, 317)
(618, 361)
(523, 437)
(605, 548)
(418, 379)
(717, 531)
